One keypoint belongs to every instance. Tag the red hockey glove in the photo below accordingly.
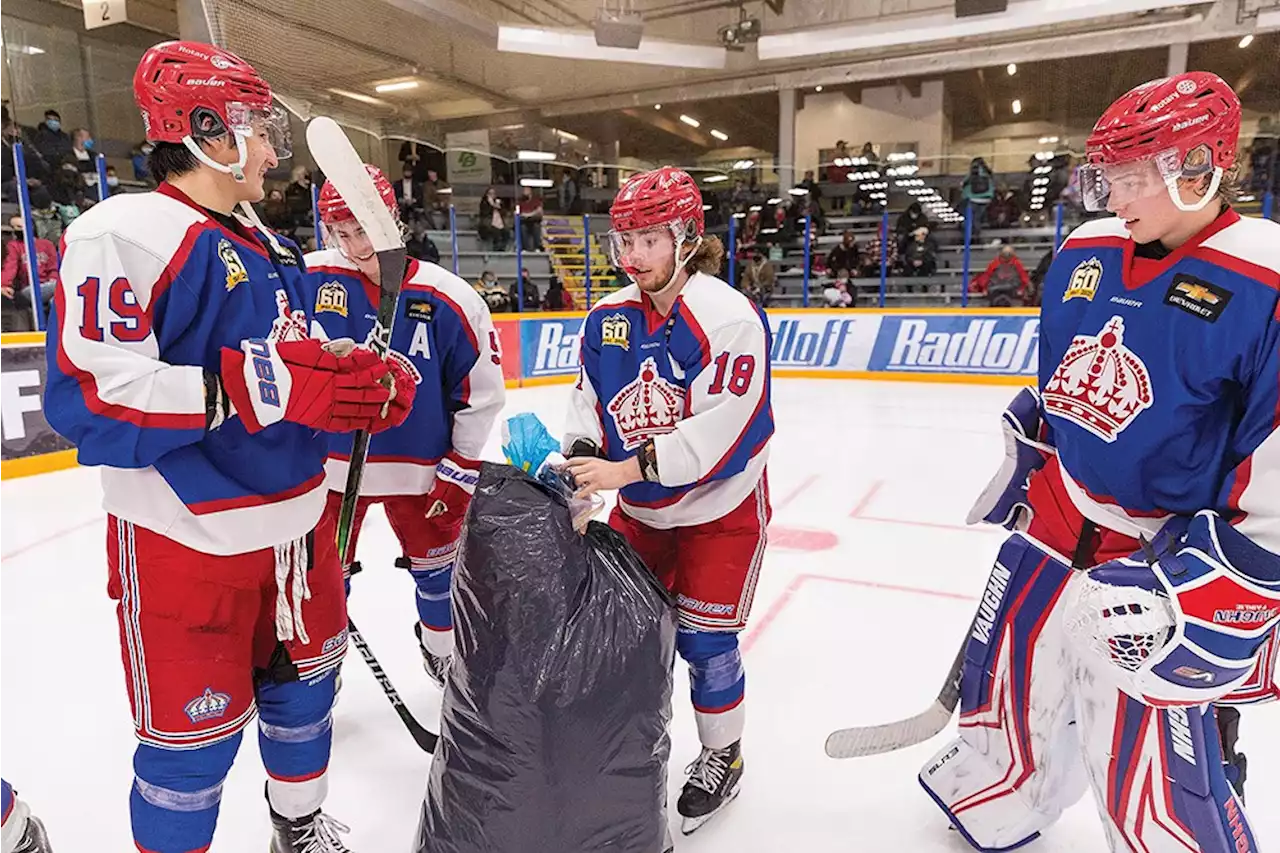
(304, 383)
(447, 502)
(404, 386)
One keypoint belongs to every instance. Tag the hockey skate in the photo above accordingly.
(437, 666)
(314, 833)
(33, 838)
(712, 785)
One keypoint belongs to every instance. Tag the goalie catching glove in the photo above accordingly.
(310, 383)
(1183, 622)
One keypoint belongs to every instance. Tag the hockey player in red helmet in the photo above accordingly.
(672, 407)
(424, 471)
(182, 360)
(1138, 598)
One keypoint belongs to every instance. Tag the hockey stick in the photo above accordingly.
(873, 740)
(342, 165)
(344, 168)
(424, 738)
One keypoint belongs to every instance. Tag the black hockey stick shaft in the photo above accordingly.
(424, 738)
(391, 274)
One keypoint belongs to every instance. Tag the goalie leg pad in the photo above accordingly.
(718, 684)
(1157, 774)
(1016, 764)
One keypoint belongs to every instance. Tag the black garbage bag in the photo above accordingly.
(554, 729)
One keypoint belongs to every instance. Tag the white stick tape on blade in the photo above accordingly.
(341, 164)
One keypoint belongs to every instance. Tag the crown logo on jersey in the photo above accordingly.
(208, 706)
(236, 272)
(1100, 385)
(332, 297)
(648, 406)
(289, 325)
(615, 331)
(1084, 280)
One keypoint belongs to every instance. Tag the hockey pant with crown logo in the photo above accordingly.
(1038, 726)
(200, 638)
(712, 570)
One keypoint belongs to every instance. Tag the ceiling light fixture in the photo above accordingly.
(362, 98)
(399, 86)
(721, 135)
(1017, 106)
(535, 155)
(1011, 69)
(692, 122)
(1247, 40)
(540, 183)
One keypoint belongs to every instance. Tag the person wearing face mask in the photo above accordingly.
(52, 141)
(138, 158)
(82, 151)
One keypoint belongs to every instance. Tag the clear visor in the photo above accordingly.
(643, 248)
(349, 238)
(269, 124)
(1109, 186)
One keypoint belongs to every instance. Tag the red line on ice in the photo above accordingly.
(780, 603)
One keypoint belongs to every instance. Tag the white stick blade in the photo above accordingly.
(341, 164)
(874, 740)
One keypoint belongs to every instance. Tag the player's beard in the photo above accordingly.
(657, 279)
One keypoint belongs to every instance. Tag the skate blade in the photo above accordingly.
(690, 825)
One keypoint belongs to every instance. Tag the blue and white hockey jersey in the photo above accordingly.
(151, 289)
(697, 382)
(444, 335)
(1163, 392)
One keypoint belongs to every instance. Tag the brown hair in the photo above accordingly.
(1229, 186)
(708, 258)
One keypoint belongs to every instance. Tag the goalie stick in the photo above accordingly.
(873, 740)
(343, 167)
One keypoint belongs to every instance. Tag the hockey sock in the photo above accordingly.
(176, 794)
(434, 607)
(7, 801)
(295, 736)
(718, 684)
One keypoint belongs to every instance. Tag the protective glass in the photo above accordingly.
(271, 123)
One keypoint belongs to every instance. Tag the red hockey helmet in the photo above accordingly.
(333, 209)
(189, 91)
(1187, 125)
(659, 197)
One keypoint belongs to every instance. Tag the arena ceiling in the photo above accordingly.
(425, 67)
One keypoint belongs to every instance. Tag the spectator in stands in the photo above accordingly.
(51, 140)
(275, 213)
(138, 157)
(531, 299)
(14, 278)
(530, 220)
(919, 254)
(491, 224)
(845, 253)
(409, 195)
(1264, 154)
(839, 292)
(838, 174)
(759, 278)
(37, 169)
(113, 181)
(82, 151)
(410, 157)
(297, 196)
(1004, 281)
(435, 195)
(1004, 211)
(1036, 286)
(568, 193)
(870, 258)
(420, 245)
(67, 190)
(491, 292)
(557, 298)
(978, 189)
(909, 221)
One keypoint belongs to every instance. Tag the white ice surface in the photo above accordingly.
(860, 630)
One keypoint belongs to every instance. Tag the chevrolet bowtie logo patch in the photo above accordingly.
(1197, 297)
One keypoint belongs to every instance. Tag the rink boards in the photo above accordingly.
(993, 346)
